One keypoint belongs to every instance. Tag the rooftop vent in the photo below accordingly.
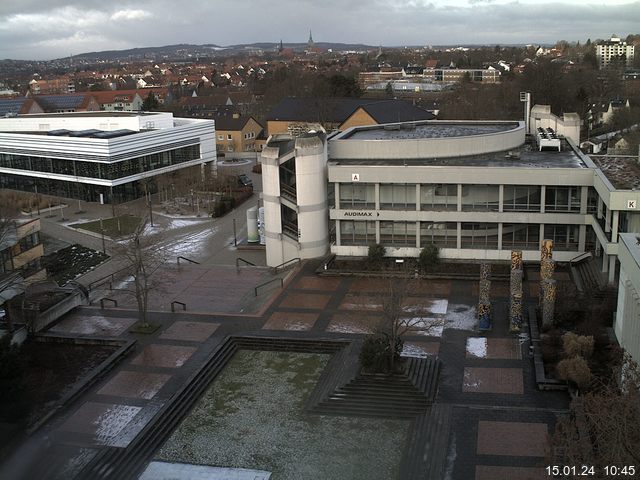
(547, 138)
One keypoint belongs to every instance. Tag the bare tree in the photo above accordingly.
(11, 281)
(400, 319)
(602, 427)
(141, 258)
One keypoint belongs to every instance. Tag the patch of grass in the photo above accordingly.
(147, 328)
(113, 227)
(71, 262)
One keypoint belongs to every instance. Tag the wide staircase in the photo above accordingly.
(404, 395)
(587, 275)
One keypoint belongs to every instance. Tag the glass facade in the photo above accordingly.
(443, 235)
(397, 196)
(438, 196)
(521, 198)
(101, 170)
(562, 199)
(565, 237)
(398, 234)
(480, 198)
(520, 236)
(357, 233)
(357, 195)
(480, 235)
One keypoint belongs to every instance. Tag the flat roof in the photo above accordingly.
(526, 156)
(101, 113)
(622, 172)
(416, 131)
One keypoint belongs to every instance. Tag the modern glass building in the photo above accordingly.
(99, 156)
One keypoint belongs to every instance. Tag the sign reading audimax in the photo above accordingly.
(360, 213)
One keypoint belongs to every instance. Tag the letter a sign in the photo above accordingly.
(355, 177)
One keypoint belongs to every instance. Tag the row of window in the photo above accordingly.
(445, 234)
(106, 171)
(474, 197)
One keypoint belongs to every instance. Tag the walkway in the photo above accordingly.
(497, 422)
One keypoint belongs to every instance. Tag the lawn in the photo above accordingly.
(252, 417)
(113, 227)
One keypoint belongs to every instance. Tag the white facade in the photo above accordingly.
(613, 48)
(627, 323)
(45, 151)
(295, 197)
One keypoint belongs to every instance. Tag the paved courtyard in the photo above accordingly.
(500, 421)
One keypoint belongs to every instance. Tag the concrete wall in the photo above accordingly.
(627, 324)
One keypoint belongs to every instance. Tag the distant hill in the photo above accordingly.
(189, 51)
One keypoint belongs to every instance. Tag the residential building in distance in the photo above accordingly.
(235, 133)
(21, 250)
(100, 156)
(119, 100)
(295, 116)
(78, 102)
(612, 49)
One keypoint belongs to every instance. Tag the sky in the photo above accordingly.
(47, 29)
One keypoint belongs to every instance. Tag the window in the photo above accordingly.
(480, 235)
(357, 195)
(562, 199)
(398, 196)
(354, 232)
(220, 137)
(521, 198)
(565, 237)
(229, 136)
(398, 234)
(438, 196)
(439, 234)
(520, 236)
(480, 197)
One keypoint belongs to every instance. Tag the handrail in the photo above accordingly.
(580, 257)
(285, 264)
(188, 260)
(110, 277)
(115, 302)
(255, 290)
(173, 307)
(239, 259)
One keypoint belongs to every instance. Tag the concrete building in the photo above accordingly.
(99, 156)
(627, 320)
(613, 48)
(21, 250)
(475, 189)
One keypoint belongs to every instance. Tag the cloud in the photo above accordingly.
(37, 29)
(131, 15)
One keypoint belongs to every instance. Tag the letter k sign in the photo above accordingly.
(632, 204)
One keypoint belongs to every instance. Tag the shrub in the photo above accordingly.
(429, 256)
(373, 356)
(577, 345)
(376, 255)
(574, 370)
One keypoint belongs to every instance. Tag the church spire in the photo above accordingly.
(280, 47)
(310, 42)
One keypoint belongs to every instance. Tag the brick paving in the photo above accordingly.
(493, 380)
(299, 321)
(498, 429)
(512, 438)
(134, 384)
(189, 331)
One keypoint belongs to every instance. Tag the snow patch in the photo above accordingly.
(477, 347)
(461, 317)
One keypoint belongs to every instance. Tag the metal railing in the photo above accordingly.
(173, 305)
(579, 258)
(106, 279)
(255, 290)
(247, 262)
(286, 264)
(102, 300)
(188, 260)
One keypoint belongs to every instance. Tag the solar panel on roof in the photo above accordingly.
(59, 133)
(113, 133)
(84, 133)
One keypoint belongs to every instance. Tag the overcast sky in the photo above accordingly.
(46, 29)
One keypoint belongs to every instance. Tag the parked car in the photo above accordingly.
(245, 181)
